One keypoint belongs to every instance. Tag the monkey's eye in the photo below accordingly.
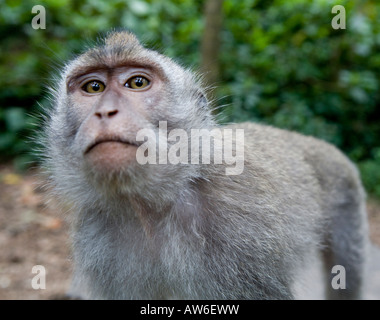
(94, 86)
(137, 82)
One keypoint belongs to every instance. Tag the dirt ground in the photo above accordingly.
(33, 234)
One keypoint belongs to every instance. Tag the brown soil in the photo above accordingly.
(30, 234)
(33, 234)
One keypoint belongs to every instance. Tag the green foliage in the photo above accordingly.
(281, 63)
(370, 170)
(295, 71)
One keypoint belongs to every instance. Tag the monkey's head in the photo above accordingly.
(102, 100)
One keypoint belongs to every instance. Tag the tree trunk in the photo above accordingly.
(213, 16)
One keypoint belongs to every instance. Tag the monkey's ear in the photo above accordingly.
(202, 101)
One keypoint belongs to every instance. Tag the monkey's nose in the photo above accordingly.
(106, 114)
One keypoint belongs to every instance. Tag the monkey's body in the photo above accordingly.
(248, 243)
(191, 231)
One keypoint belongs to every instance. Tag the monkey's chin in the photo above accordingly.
(111, 157)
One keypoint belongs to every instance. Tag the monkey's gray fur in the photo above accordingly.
(191, 231)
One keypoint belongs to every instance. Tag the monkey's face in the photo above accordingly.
(106, 97)
(112, 105)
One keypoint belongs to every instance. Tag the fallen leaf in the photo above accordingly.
(53, 223)
(11, 179)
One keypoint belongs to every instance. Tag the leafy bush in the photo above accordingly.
(370, 170)
(283, 64)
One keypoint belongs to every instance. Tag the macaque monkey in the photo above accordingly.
(190, 230)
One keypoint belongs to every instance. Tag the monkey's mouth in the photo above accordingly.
(109, 140)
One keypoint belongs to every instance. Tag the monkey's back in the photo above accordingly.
(279, 210)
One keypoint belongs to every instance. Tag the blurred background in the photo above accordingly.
(274, 62)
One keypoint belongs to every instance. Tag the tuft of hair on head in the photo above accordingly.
(121, 38)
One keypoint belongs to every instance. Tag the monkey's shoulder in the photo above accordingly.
(280, 142)
(262, 133)
(286, 158)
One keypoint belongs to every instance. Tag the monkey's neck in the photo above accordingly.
(148, 212)
(184, 209)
